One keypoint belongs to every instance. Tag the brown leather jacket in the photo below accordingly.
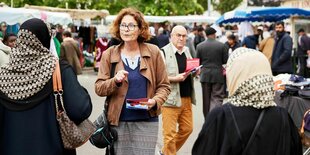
(152, 67)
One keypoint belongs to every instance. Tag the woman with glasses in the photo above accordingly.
(133, 70)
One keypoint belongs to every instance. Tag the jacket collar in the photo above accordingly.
(4, 48)
(145, 51)
(68, 39)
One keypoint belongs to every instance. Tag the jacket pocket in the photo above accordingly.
(171, 100)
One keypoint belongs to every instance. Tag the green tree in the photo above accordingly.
(203, 3)
(21, 3)
(226, 5)
(151, 7)
(148, 7)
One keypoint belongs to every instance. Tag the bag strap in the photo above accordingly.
(258, 122)
(260, 118)
(236, 125)
(57, 87)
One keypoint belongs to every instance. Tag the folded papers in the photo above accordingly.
(137, 104)
(192, 63)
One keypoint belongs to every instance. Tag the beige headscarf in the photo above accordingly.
(249, 79)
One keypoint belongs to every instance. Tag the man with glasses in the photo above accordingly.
(212, 54)
(177, 110)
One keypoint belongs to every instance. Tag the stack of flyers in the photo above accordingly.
(192, 63)
(193, 70)
(137, 104)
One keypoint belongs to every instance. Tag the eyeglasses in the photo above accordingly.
(125, 27)
(180, 35)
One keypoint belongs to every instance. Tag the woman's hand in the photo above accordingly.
(150, 103)
(120, 76)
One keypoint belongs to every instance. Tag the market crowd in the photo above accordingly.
(236, 66)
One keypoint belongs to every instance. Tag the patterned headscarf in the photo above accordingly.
(249, 79)
(31, 64)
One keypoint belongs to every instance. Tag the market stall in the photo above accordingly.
(270, 14)
(74, 13)
(14, 16)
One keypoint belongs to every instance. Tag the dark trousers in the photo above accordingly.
(212, 96)
(302, 67)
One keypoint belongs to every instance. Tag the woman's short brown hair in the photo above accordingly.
(138, 16)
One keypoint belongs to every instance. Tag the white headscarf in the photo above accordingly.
(249, 79)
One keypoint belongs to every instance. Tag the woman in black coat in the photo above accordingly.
(27, 110)
(227, 129)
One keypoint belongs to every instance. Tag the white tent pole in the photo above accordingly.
(209, 8)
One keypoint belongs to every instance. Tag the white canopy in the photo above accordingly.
(173, 19)
(75, 13)
(19, 15)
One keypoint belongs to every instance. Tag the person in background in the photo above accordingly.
(177, 114)
(224, 38)
(193, 33)
(266, 32)
(260, 32)
(303, 50)
(59, 31)
(56, 41)
(250, 41)
(227, 129)
(139, 73)
(232, 43)
(163, 39)
(266, 46)
(101, 47)
(190, 44)
(27, 109)
(113, 41)
(153, 39)
(4, 53)
(10, 40)
(70, 52)
(212, 54)
(281, 55)
(199, 37)
(3, 28)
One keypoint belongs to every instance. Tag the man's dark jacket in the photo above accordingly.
(281, 55)
(212, 54)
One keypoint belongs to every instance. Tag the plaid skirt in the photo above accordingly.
(136, 138)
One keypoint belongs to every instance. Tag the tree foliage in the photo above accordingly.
(226, 5)
(148, 7)
(222, 6)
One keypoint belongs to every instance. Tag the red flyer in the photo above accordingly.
(192, 63)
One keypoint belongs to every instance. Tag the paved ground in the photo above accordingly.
(88, 79)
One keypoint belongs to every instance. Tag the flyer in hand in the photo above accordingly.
(137, 104)
(193, 70)
(192, 65)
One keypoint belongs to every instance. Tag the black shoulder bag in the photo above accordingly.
(105, 136)
(259, 120)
